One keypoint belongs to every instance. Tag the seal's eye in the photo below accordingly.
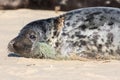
(33, 37)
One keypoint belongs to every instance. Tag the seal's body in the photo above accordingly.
(89, 32)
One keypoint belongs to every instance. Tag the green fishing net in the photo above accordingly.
(43, 50)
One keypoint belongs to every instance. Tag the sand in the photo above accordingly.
(20, 68)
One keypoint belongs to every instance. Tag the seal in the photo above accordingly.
(92, 33)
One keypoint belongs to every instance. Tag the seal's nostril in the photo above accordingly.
(11, 43)
(10, 46)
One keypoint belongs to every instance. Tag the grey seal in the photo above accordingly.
(92, 33)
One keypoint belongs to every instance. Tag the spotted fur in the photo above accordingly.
(88, 32)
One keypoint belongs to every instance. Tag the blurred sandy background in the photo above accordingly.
(19, 68)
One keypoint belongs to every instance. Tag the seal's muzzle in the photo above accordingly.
(20, 46)
(10, 46)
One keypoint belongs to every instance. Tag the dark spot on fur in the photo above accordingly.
(111, 51)
(55, 32)
(102, 18)
(102, 40)
(106, 51)
(83, 27)
(77, 43)
(72, 36)
(118, 12)
(77, 12)
(110, 38)
(96, 13)
(107, 45)
(68, 24)
(73, 24)
(68, 17)
(110, 23)
(99, 29)
(118, 50)
(90, 17)
(93, 27)
(64, 34)
(81, 36)
(99, 47)
(57, 44)
(88, 37)
(52, 36)
(96, 36)
(48, 40)
(112, 18)
(83, 42)
(78, 34)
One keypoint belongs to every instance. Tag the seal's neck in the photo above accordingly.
(55, 31)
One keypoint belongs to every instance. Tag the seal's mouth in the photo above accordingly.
(12, 52)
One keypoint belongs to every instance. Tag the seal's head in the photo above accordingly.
(24, 43)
